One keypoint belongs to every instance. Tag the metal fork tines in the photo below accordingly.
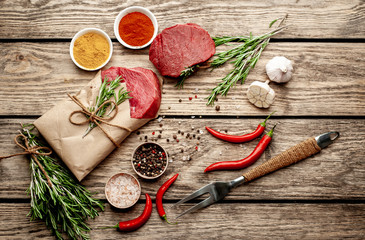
(198, 193)
(216, 190)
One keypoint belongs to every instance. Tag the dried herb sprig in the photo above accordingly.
(66, 205)
(106, 92)
(244, 57)
(187, 72)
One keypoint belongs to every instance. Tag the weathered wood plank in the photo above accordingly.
(338, 172)
(230, 221)
(328, 80)
(308, 19)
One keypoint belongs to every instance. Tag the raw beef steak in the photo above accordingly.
(144, 88)
(179, 47)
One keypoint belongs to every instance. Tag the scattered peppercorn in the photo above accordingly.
(167, 140)
(159, 136)
(182, 150)
(194, 135)
(188, 135)
(179, 131)
(145, 137)
(174, 136)
(198, 138)
(217, 108)
(161, 125)
(180, 100)
(138, 132)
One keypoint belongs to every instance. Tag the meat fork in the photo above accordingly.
(218, 190)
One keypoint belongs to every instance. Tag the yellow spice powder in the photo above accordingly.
(91, 50)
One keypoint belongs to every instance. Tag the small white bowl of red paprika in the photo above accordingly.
(135, 27)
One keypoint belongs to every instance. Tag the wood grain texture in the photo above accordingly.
(322, 197)
(328, 80)
(36, 19)
(337, 172)
(228, 221)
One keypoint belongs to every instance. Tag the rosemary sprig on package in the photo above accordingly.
(106, 92)
(64, 205)
(243, 56)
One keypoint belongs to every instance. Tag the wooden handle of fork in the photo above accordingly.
(292, 155)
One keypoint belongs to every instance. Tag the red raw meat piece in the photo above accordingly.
(144, 88)
(179, 47)
(111, 73)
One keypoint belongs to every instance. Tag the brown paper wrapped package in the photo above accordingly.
(82, 155)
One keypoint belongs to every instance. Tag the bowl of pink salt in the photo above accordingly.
(122, 190)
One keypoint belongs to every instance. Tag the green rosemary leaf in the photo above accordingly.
(224, 40)
(272, 23)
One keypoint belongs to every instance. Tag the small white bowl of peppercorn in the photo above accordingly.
(149, 160)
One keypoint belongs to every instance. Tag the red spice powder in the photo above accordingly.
(136, 29)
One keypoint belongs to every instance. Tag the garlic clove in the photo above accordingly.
(279, 69)
(260, 94)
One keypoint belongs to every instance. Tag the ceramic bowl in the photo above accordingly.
(122, 190)
(126, 11)
(145, 176)
(88, 30)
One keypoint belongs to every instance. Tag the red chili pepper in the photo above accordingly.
(160, 194)
(240, 139)
(136, 223)
(239, 164)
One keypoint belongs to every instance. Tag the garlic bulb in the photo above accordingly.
(279, 69)
(260, 94)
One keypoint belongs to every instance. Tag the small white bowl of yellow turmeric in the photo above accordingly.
(91, 49)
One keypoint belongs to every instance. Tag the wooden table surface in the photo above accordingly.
(319, 198)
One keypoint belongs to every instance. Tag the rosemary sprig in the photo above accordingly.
(188, 71)
(243, 56)
(66, 205)
(225, 39)
(106, 92)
